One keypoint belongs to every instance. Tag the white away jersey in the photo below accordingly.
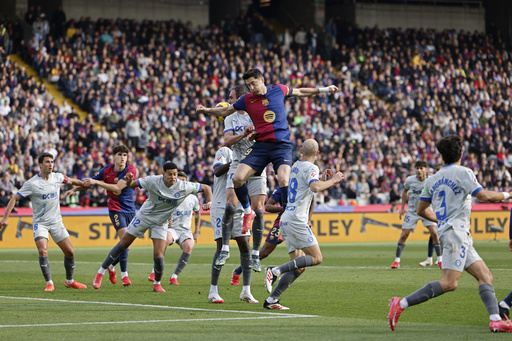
(302, 174)
(163, 201)
(45, 197)
(450, 191)
(414, 189)
(222, 156)
(182, 217)
(237, 123)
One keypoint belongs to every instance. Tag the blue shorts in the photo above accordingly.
(120, 219)
(274, 236)
(263, 153)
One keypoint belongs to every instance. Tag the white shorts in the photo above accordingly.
(256, 184)
(138, 226)
(57, 231)
(180, 235)
(216, 215)
(458, 250)
(411, 220)
(296, 235)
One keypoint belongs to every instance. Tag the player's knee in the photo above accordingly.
(230, 210)
(449, 285)
(259, 213)
(301, 270)
(69, 253)
(237, 181)
(43, 252)
(317, 259)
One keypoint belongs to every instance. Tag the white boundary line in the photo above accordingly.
(268, 314)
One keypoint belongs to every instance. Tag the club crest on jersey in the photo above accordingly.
(264, 102)
(177, 195)
(56, 185)
(116, 179)
(269, 116)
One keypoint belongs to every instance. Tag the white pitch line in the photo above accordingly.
(155, 306)
(148, 321)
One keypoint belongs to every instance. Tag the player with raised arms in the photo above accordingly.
(449, 191)
(265, 106)
(44, 192)
(302, 245)
(121, 207)
(165, 194)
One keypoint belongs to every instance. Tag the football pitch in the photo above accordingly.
(344, 298)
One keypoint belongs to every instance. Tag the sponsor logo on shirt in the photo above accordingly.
(269, 116)
(53, 195)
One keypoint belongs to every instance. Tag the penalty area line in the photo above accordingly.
(283, 316)
(157, 306)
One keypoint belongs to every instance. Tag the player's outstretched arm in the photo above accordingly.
(492, 196)
(425, 211)
(8, 210)
(219, 111)
(308, 92)
(114, 188)
(318, 186)
(231, 139)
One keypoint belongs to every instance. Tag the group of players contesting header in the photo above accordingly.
(256, 134)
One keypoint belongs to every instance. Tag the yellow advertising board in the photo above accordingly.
(328, 227)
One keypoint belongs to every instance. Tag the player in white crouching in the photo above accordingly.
(411, 194)
(304, 181)
(44, 192)
(180, 231)
(165, 194)
(449, 191)
(223, 159)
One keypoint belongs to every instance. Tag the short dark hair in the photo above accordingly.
(256, 73)
(169, 165)
(182, 174)
(120, 149)
(41, 157)
(420, 163)
(450, 148)
(240, 90)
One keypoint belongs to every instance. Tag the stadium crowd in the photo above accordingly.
(139, 82)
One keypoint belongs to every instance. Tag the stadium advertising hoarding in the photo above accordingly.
(328, 227)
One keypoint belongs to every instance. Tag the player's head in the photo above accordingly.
(309, 148)
(450, 147)
(421, 169)
(254, 80)
(182, 176)
(45, 161)
(170, 173)
(236, 92)
(120, 155)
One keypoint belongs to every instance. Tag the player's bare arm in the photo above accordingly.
(492, 196)
(219, 111)
(114, 188)
(318, 186)
(231, 139)
(8, 210)
(129, 181)
(308, 92)
(273, 207)
(220, 170)
(425, 211)
(207, 190)
(405, 196)
(197, 229)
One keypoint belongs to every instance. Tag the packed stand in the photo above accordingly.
(400, 91)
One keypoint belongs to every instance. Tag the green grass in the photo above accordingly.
(347, 294)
